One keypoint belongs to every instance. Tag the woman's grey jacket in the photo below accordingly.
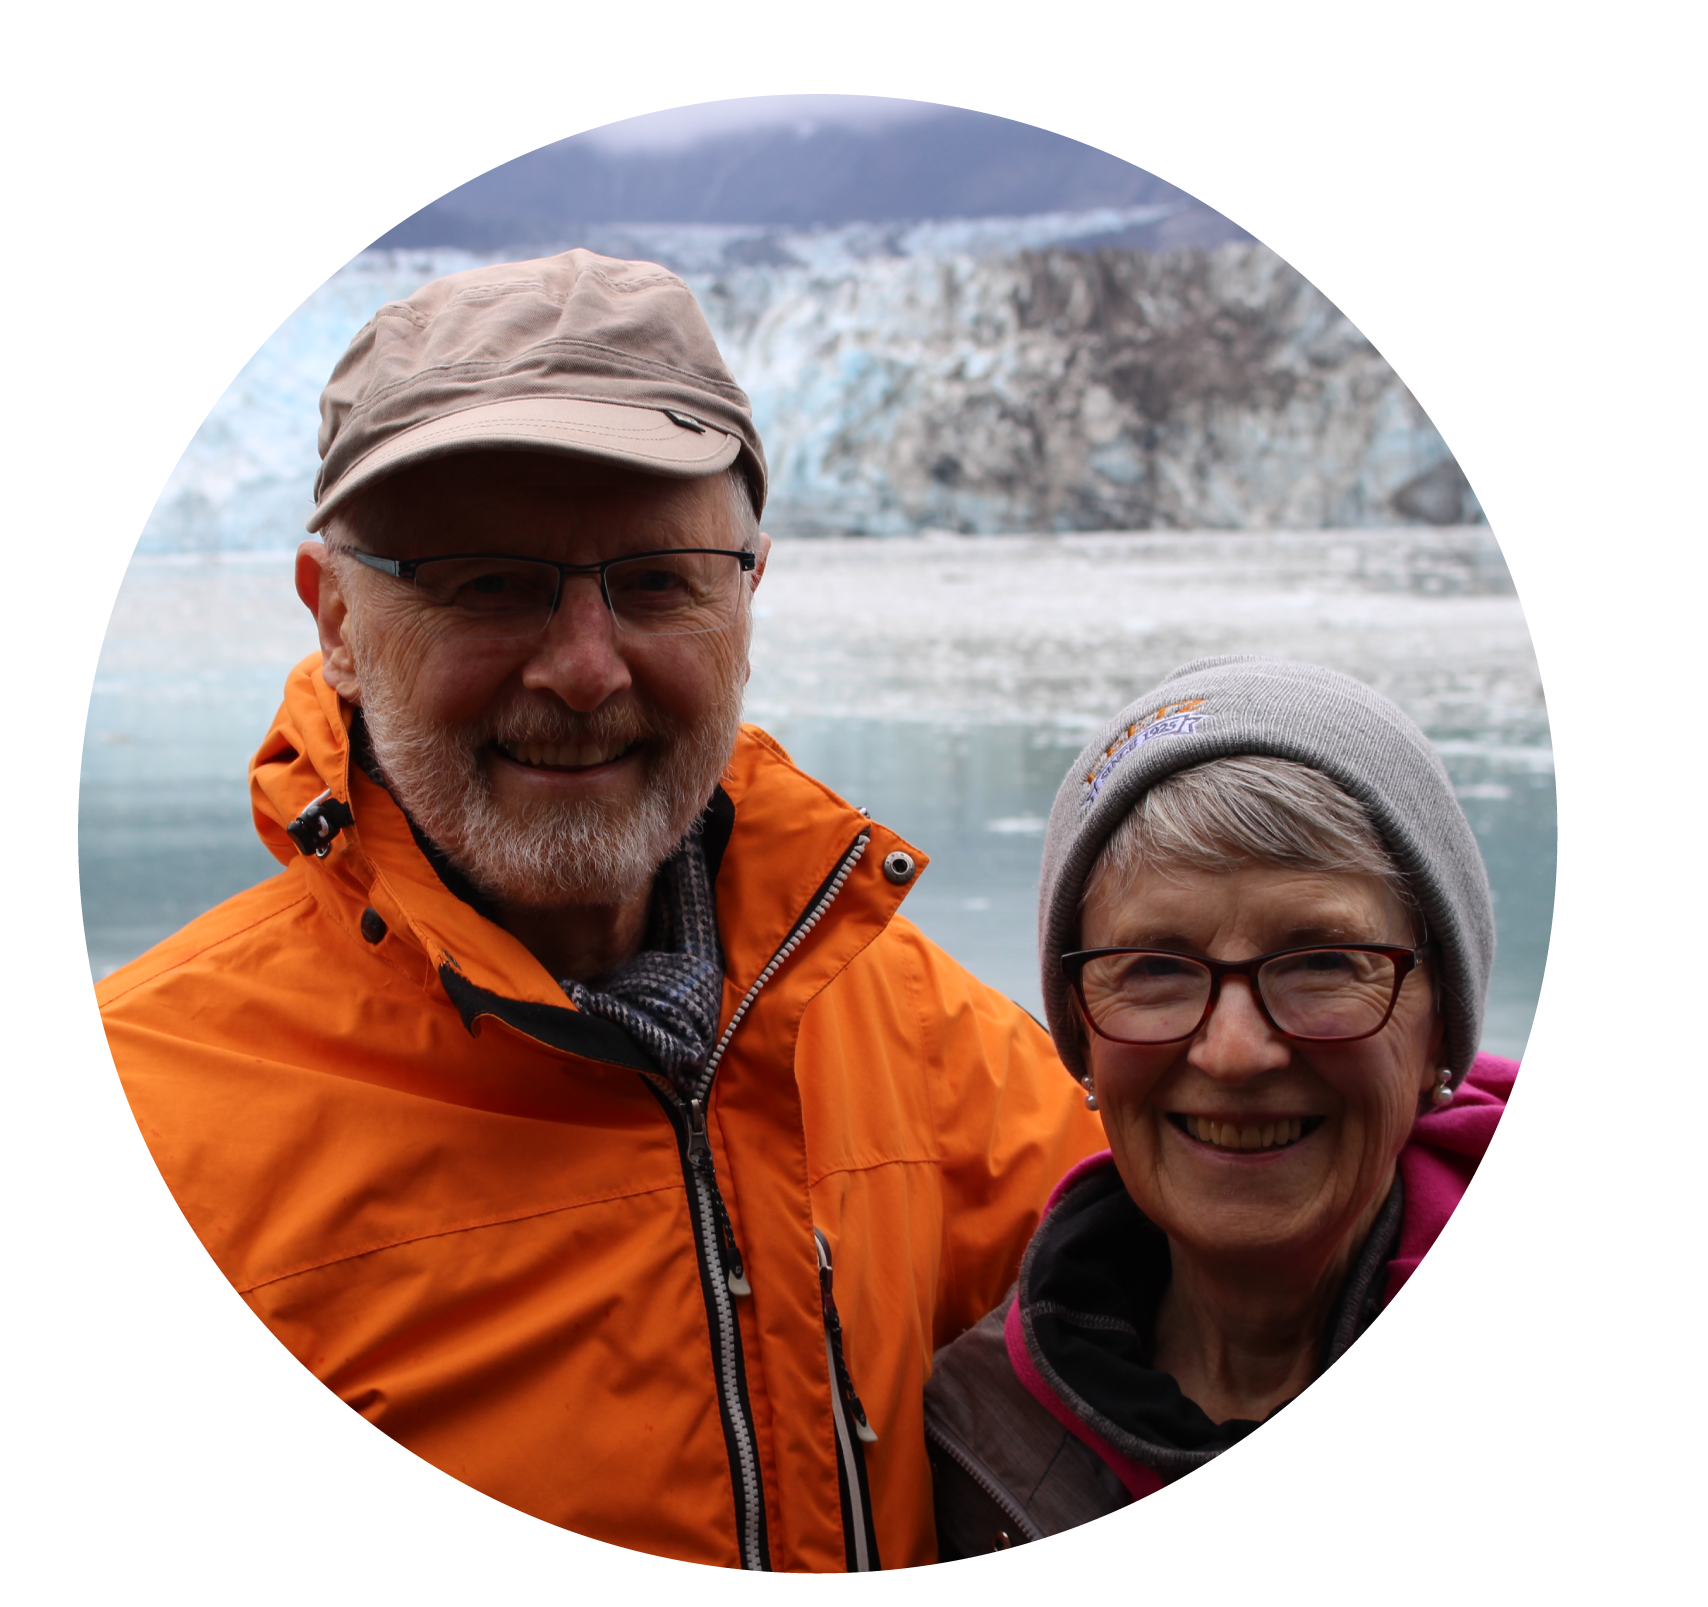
(1048, 1413)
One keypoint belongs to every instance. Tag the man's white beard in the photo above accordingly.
(593, 852)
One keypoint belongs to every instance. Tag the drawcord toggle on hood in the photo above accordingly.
(313, 830)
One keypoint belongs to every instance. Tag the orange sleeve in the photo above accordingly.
(1009, 1121)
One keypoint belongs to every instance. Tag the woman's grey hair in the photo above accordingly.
(1246, 809)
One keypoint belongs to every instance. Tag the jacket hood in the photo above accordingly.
(306, 752)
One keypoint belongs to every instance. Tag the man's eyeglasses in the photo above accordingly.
(684, 591)
(1317, 995)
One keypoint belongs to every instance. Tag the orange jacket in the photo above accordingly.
(461, 1204)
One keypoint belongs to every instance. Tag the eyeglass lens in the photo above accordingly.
(663, 594)
(1161, 998)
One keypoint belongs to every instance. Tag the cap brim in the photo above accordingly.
(639, 438)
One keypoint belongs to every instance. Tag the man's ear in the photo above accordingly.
(761, 551)
(317, 585)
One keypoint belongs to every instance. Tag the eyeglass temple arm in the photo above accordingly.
(401, 567)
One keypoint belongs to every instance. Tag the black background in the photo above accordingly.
(185, 1431)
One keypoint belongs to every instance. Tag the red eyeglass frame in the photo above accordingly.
(1405, 961)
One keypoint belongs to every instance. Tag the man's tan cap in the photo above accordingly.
(579, 354)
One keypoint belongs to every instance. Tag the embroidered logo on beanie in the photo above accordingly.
(1171, 720)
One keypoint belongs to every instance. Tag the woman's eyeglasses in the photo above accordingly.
(1317, 995)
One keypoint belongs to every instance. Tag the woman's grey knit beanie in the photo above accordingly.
(1215, 708)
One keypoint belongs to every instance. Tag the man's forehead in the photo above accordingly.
(484, 496)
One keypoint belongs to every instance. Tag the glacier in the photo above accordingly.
(979, 376)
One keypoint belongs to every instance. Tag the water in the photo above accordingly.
(944, 683)
(976, 798)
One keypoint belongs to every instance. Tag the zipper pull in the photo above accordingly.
(843, 1380)
(700, 1154)
(699, 1147)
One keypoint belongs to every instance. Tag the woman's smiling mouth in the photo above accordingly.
(1278, 1133)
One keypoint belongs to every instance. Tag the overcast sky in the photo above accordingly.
(684, 125)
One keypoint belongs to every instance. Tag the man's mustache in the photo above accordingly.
(624, 723)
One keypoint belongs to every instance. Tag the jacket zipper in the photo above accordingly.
(974, 1469)
(723, 1276)
(853, 1432)
(721, 1279)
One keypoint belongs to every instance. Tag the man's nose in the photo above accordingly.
(1237, 1041)
(579, 654)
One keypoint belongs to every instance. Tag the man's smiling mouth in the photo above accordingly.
(1247, 1136)
(564, 755)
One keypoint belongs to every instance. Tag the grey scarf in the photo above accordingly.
(668, 996)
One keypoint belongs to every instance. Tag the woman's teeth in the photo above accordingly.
(562, 755)
(1231, 1135)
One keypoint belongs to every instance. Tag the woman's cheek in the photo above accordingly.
(1390, 1117)
(1123, 1080)
(1128, 1092)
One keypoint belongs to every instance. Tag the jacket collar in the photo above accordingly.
(1079, 1332)
(787, 836)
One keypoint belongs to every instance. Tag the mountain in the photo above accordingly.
(819, 168)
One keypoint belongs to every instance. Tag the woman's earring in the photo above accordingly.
(1442, 1096)
(1091, 1093)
